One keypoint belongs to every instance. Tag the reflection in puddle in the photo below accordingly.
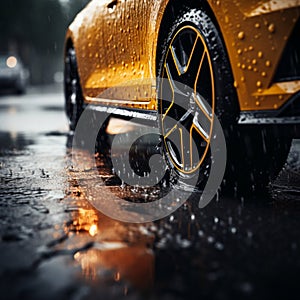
(120, 251)
(85, 220)
(12, 142)
(116, 252)
(133, 264)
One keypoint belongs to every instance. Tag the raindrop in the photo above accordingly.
(200, 233)
(122, 186)
(271, 28)
(210, 239)
(241, 35)
(218, 196)
(249, 234)
(219, 246)
(233, 230)
(246, 287)
(185, 243)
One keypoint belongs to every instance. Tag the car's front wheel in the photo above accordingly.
(195, 85)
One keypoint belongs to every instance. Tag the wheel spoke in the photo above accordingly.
(201, 104)
(181, 146)
(203, 87)
(194, 54)
(175, 139)
(168, 133)
(179, 67)
(182, 51)
(195, 60)
(199, 128)
(175, 91)
(183, 54)
(173, 153)
(185, 116)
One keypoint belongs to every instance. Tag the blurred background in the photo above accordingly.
(33, 31)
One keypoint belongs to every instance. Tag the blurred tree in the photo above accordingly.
(35, 29)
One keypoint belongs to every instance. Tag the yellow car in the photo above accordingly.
(241, 60)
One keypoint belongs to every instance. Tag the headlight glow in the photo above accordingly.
(11, 62)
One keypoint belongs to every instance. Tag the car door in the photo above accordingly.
(124, 57)
(96, 51)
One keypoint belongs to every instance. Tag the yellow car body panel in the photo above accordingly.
(116, 43)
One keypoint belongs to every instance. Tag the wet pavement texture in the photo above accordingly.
(56, 245)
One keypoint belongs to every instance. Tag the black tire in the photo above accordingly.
(217, 91)
(72, 89)
(254, 156)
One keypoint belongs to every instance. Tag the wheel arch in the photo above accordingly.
(173, 8)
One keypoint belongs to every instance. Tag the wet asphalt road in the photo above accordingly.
(55, 245)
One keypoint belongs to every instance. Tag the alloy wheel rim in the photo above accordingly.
(187, 115)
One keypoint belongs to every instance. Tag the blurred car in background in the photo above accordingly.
(13, 74)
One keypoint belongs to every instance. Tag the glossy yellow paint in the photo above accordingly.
(116, 46)
(255, 34)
